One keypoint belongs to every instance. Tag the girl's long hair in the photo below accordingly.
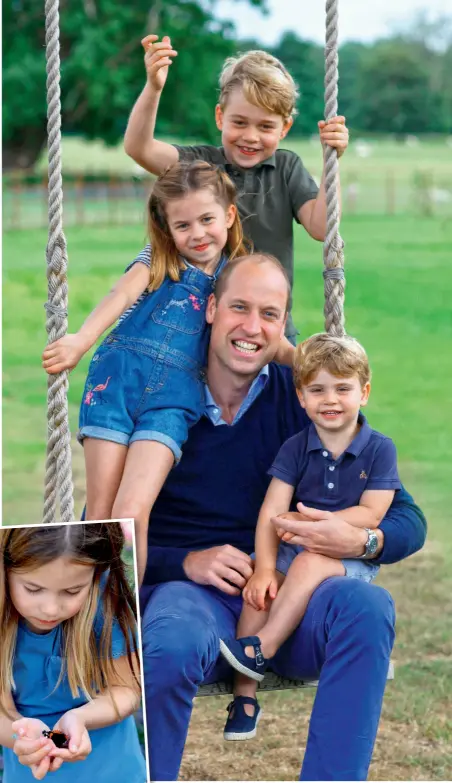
(175, 183)
(88, 661)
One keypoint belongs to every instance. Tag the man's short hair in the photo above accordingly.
(256, 258)
(340, 356)
(264, 80)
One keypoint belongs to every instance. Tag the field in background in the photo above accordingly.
(398, 295)
(103, 186)
(432, 153)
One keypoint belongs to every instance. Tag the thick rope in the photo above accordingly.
(333, 247)
(58, 480)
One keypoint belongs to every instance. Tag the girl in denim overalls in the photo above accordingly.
(144, 388)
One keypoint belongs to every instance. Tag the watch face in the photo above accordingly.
(372, 543)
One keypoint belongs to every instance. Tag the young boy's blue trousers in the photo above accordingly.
(345, 639)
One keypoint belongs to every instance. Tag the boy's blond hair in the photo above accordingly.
(340, 356)
(264, 80)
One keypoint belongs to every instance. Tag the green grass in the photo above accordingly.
(394, 178)
(431, 153)
(398, 295)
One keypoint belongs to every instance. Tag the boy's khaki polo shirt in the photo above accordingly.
(270, 195)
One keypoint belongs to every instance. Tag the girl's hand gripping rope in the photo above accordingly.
(63, 354)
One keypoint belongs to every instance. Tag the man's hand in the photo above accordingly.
(63, 354)
(322, 532)
(224, 567)
(297, 516)
(334, 133)
(261, 589)
(157, 60)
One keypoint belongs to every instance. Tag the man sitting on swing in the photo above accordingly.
(202, 533)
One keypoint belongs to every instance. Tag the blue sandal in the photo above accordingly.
(234, 652)
(239, 725)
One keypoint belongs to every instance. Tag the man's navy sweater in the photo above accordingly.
(214, 495)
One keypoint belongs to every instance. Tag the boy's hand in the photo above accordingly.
(256, 590)
(73, 725)
(334, 133)
(63, 354)
(157, 59)
(31, 747)
(298, 516)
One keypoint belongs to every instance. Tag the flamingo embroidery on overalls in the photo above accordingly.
(89, 397)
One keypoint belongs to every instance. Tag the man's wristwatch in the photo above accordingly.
(371, 544)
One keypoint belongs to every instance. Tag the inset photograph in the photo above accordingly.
(70, 671)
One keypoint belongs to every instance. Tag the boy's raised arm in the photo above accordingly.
(139, 141)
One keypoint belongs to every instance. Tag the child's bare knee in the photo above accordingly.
(313, 562)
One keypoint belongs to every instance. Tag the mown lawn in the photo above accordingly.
(398, 296)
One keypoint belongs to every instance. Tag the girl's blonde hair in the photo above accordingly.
(340, 356)
(88, 662)
(178, 181)
(264, 80)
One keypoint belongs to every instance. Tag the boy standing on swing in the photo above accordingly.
(255, 112)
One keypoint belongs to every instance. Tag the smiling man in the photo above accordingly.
(201, 536)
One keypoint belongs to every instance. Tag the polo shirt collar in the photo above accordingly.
(314, 442)
(356, 446)
(271, 161)
(361, 439)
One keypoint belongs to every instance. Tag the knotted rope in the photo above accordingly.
(58, 480)
(333, 247)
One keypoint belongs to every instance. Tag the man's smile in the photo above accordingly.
(245, 347)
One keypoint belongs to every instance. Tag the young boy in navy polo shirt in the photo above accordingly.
(337, 464)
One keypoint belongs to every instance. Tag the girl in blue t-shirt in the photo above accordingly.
(69, 660)
(144, 388)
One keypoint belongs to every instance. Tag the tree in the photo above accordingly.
(102, 69)
(351, 56)
(393, 88)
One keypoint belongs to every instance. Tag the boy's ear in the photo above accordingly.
(286, 127)
(211, 308)
(365, 393)
(219, 117)
(300, 398)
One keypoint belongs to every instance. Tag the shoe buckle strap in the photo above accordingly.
(259, 658)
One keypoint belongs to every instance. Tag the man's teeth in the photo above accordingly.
(244, 346)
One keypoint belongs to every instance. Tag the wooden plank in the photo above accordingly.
(271, 682)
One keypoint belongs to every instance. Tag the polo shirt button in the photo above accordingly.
(331, 467)
(325, 453)
(330, 485)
